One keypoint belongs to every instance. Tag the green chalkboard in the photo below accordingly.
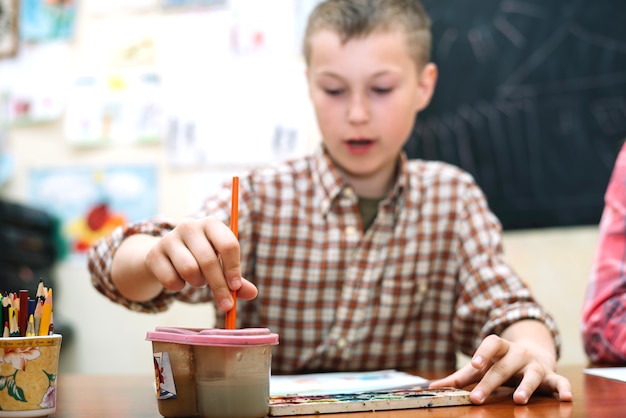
(531, 100)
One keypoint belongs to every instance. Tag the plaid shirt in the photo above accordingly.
(425, 280)
(604, 310)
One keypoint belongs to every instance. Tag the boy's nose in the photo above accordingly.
(358, 111)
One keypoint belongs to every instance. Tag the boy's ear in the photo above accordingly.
(427, 79)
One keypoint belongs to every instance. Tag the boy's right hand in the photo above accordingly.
(201, 252)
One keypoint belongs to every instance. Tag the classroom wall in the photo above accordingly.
(219, 69)
(110, 339)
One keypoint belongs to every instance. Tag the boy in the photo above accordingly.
(360, 258)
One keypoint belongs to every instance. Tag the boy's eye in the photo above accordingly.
(333, 92)
(382, 90)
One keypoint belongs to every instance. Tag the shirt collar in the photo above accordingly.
(332, 184)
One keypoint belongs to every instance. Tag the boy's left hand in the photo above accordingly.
(499, 362)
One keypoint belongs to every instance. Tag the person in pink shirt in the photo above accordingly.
(604, 309)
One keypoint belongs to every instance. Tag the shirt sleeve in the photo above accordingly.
(492, 296)
(100, 257)
(604, 308)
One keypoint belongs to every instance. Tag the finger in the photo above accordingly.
(159, 264)
(564, 389)
(214, 277)
(226, 245)
(496, 357)
(560, 385)
(490, 350)
(247, 291)
(166, 274)
(497, 375)
(475, 369)
(197, 261)
(533, 375)
(464, 376)
(203, 265)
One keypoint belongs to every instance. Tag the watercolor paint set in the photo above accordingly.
(367, 401)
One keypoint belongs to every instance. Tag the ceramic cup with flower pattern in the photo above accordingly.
(28, 375)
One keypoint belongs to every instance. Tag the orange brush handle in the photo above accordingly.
(231, 316)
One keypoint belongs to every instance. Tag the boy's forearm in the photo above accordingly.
(536, 337)
(129, 272)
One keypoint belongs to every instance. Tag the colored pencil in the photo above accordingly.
(231, 316)
(14, 328)
(6, 300)
(30, 328)
(51, 326)
(46, 314)
(23, 318)
(40, 295)
(6, 303)
(37, 314)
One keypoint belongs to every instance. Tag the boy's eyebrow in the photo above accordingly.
(333, 74)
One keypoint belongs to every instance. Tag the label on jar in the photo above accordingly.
(165, 386)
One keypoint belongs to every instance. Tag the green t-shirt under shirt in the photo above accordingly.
(368, 209)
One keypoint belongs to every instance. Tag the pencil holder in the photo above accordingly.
(28, 375)
(212, 373)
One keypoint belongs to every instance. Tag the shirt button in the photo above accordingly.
(348, 192)
(350, 231)
(341, 343)
(422, 288)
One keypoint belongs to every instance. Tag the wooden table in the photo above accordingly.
(108, 396)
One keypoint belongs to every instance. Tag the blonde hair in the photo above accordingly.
(358, 18)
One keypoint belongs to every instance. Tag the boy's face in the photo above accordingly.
(366, 94)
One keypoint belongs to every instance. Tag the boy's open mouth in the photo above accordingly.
(359, 142)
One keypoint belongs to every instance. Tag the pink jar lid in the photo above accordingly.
(213, 336)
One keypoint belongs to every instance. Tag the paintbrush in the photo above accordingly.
(231, 316)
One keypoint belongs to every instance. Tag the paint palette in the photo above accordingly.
(367, 401)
